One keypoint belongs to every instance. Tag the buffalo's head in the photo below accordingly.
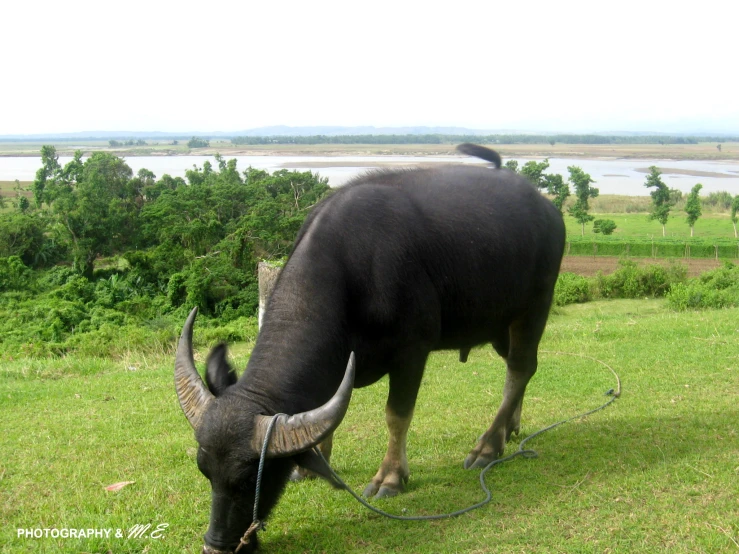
(230, 431)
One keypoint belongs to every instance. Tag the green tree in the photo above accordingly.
(583, 192)
(49, 171)
(196, 142)
(93, 208)
(693, 206)
(534, 171)
(512, 165)
(734, 211)
(22, 234)
(209, 234)
(604, 226)
(560, 190)
(661, 201)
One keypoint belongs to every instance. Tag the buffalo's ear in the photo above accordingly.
(313, 462)
(219, 374)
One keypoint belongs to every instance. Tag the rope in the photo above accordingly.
(256, 523)
(526, 453)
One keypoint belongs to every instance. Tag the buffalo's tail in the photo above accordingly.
(480, 152)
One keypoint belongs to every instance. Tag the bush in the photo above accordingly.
(715, 289)
(571, 289)
(21, 235)
(604, 226)
(14, 275)
(632, 281)
(721, 200)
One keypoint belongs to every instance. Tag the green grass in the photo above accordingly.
(658, 470)
(7, 188)
(637, 225)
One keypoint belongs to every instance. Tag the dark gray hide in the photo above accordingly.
(392, 266)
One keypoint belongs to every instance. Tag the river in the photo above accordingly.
(612, 176)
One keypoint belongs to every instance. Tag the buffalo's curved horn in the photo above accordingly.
(300, 432)
(192, 393)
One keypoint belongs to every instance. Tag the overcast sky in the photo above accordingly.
(234, 65)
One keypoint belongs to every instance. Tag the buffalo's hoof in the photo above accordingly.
(489, 448)
(474, 461)
(381, 491)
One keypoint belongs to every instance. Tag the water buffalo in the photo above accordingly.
(390, 267)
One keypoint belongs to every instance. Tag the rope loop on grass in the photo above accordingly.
(525, 453)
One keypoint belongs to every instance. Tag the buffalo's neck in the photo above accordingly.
(302, 348)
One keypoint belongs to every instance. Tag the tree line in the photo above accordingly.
(664, 199)
(480, 139)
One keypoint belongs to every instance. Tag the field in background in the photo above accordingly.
(701, 151)
(656, 471)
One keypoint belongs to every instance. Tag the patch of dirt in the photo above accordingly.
(589, 266)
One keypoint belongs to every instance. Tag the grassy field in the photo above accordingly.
(7, 188)
(701, 151)
(656, 471)
(638, 225)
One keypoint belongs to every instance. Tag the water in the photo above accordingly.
(612, 176)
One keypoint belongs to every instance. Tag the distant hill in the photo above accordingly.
(286, 130)
(272, 131)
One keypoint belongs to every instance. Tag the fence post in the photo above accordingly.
(267, 274)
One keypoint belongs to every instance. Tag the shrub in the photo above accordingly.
(55, 277)
(714, 289)
(14, 275)
(632, 281)
(571, 289)
(721, 200)
(604, 226)
(21, 235)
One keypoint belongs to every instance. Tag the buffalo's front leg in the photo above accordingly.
(393, 474)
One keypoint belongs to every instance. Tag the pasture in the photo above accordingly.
(638, 226)
(657, 470)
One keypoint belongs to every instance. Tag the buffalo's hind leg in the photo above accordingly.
(521, 359)
(393, 474)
